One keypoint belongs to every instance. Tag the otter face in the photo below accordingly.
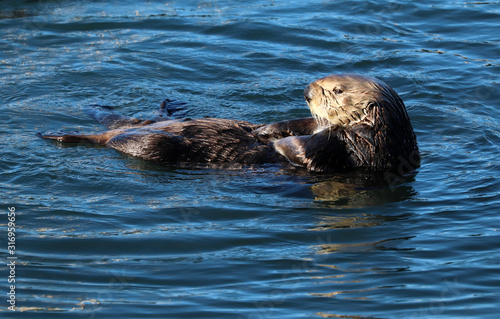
(343, 99)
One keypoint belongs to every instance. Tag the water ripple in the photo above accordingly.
(100, 234)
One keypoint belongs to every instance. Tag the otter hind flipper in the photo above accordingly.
(106, 115)
(111, 119)
(170, 109)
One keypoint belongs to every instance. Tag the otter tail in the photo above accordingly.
(72, 138)
(117, 123)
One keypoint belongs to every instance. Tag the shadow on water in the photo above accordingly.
(340, 191)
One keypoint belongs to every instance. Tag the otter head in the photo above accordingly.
(347, 99)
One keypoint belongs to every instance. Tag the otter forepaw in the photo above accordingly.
(271, 132)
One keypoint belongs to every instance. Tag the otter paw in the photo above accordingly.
(272, 131)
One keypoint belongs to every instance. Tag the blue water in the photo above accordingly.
(102, 235)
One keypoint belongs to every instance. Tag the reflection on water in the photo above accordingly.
(352, 221)
(357, 190)
(14, 14)
(359, 247)
(339, 270)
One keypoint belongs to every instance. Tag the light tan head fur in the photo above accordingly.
(345, 99)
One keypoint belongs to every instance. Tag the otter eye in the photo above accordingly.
(338, 91)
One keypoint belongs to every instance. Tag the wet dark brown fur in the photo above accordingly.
(372, 132)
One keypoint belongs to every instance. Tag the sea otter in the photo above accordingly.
(357, 122)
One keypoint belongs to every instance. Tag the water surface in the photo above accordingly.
(103, 235)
